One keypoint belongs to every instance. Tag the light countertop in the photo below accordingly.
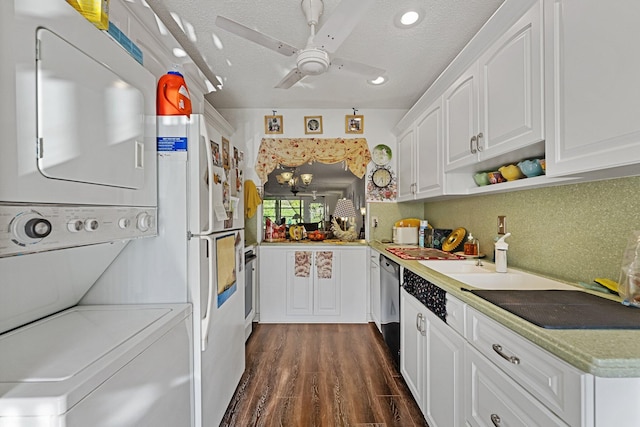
(328, 242)
(603, 353)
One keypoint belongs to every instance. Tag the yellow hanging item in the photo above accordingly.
(251, 199)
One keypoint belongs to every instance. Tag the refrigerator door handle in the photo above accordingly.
(209, 155)
(206, 320)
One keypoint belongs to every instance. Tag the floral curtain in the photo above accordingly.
(297, 151)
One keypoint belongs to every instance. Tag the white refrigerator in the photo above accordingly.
(198, 256)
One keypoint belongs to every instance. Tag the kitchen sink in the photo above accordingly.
(482, 275)
(452, 267)
(510, 280)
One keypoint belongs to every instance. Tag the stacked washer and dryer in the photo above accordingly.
(77, 183)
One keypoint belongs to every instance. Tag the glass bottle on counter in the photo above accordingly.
(471, 246)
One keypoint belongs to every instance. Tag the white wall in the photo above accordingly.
(249, 125)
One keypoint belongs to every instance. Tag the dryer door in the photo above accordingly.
(90, 120)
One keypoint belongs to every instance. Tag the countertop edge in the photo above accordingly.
(602, 353)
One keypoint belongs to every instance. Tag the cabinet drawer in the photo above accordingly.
(493, 399)
(456, 314)
(555, 383)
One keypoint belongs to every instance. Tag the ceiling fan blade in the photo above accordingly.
(255, 36)
(341, 64)
(341, 23)
(290, 79)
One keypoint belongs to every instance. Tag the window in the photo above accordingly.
(293, 211)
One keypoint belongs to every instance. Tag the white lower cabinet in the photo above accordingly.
(313, 284)
(493, 399)
(431, 362)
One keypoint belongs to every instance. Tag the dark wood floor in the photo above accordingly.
(320, 375)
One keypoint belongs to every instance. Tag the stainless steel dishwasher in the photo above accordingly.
(390, 306)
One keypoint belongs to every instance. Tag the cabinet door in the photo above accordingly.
(460, 103)
(412, 338)
(374, 288)
(591, 85)
(511, 108)
(273, 283)
(406, 161)
(443, 374)
(326, 283)
(428, 156)
(299, 280)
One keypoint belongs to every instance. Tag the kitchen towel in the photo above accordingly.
(303, 263)
(251, 199)
(324, 264)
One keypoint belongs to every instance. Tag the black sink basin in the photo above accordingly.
(563, 309)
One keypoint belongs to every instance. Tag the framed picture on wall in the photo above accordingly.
(354, 123)
(313, 124)
(273, 124)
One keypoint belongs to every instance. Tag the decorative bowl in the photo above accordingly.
(316, 236)
(495, 177)
(481, 178)
(511, 172)
(531, 167)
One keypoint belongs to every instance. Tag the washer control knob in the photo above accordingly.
(75, 225)
(145, 221)
(124, 223)
(37, 228)
(91, 224)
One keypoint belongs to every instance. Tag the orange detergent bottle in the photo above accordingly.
(173, 96)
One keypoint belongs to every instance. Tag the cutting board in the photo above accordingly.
(560, 309)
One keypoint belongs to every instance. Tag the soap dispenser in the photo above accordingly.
(501, 254)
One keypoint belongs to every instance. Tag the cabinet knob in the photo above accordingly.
(495, 419)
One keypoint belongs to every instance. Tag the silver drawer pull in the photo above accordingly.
(495, 419)
(480, 136)
(473, 142)
(512, 359)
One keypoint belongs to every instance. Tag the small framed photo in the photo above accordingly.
(354, 123)
(313, 124)
(273, 124)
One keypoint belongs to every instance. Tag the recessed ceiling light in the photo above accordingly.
(378, 80)
(179, 53)
(408, 18)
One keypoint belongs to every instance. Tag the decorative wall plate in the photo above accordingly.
(381, 154)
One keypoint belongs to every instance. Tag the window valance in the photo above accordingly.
(297, 151)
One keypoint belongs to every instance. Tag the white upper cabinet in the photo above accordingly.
(420, 157)
(461, 120)
(511, 90)
(496, 106)
(406, 173)
(592, 85)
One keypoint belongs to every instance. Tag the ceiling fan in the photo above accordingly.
(314, 58)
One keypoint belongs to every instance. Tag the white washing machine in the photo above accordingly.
(77, 183)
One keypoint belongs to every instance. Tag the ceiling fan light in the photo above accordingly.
(313, 61)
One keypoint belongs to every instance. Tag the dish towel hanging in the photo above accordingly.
(303, 263)
(324, 264)
(251, 199)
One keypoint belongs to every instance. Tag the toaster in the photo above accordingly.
(405, 235)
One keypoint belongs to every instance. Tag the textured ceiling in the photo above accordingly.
(413, 58)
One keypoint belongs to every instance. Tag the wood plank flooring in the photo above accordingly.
(320, 375)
